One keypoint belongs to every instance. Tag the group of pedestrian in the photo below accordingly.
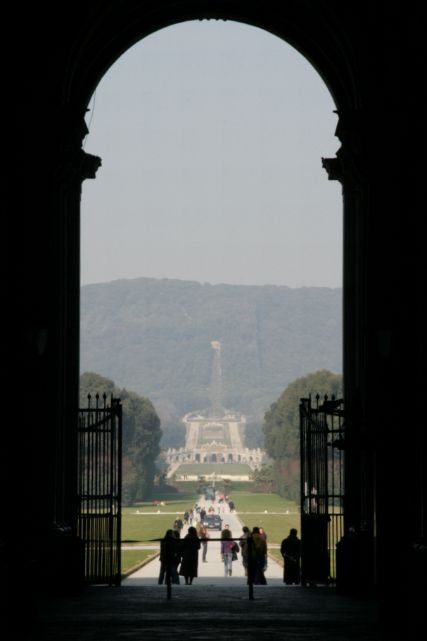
(290, 550)
(179, 557)
(253, 547)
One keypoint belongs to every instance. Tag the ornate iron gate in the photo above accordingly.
(99, 489)
(322, 487)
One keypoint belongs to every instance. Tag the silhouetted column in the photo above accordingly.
(349, 168)
(63, 346)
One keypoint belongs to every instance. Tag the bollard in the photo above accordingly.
(250, 569)
(169, 554)
(168, 581)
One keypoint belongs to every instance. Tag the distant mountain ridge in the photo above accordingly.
(153, 337)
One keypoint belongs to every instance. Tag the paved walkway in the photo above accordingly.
(211, 572)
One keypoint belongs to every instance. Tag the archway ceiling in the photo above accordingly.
(308, 25)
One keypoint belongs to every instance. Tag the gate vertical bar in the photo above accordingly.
(322, 489)
(99, 489)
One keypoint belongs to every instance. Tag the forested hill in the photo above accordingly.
(154, 337)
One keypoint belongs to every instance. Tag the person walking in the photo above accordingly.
(176, 559)
(190, 555)
(263, 534)
(290, 550)
(227, 545)
(178, 525)
(259, 557)
(243, 545)
(203, 533)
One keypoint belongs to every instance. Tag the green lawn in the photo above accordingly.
(134, 558)
(183, 495)
(270, 511)
(192, 486)
(275, 553)
(257, 502)
(276, 526)
(146, 521)
(144, 527)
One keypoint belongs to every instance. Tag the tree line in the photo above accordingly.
(141, 435)
(281, 431)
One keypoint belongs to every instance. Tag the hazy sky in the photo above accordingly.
(211, 136)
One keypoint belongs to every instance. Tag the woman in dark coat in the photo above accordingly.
(291, 552)
(169, 558)
(190, 555)
(259, 557)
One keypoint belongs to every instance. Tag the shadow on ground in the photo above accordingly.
(205, 613)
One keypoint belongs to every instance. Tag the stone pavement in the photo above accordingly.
(204, 613)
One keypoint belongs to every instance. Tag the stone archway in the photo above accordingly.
(314, 45)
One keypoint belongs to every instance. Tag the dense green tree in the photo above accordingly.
(141, 434)
(92, 384)
(281, 427)
(264, 479)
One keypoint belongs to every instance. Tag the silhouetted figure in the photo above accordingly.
(190, 555)
(259, 557)
(291, 552)
(349, 566)
(263, 534)
(169, 557)
(176, 560)
(243, 544)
